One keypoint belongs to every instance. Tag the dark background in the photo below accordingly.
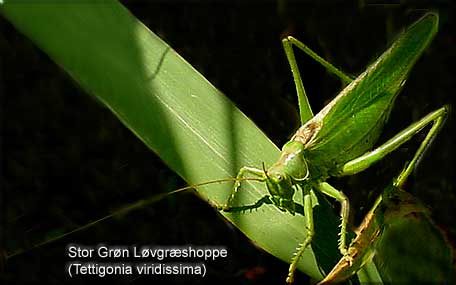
(66, 160)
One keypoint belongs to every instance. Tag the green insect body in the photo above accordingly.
(338, 140)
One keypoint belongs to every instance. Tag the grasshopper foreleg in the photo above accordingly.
(228, 206)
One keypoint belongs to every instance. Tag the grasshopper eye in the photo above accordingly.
(279, 177)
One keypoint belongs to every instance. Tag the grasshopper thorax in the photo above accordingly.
(291, 169)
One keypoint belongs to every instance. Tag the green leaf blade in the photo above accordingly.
(173, 110)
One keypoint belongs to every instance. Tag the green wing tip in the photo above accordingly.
(425, 28)
(434, 17)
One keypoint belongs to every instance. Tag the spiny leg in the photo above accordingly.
(308, 213)
(227, 207)
(361, 163)
(328, 190)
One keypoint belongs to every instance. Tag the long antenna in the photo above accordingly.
(264, 170)
(139, 204)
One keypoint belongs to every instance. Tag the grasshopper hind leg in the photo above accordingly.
(304, 107)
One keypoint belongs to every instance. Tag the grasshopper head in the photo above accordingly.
(290, 170)
(280, 187)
